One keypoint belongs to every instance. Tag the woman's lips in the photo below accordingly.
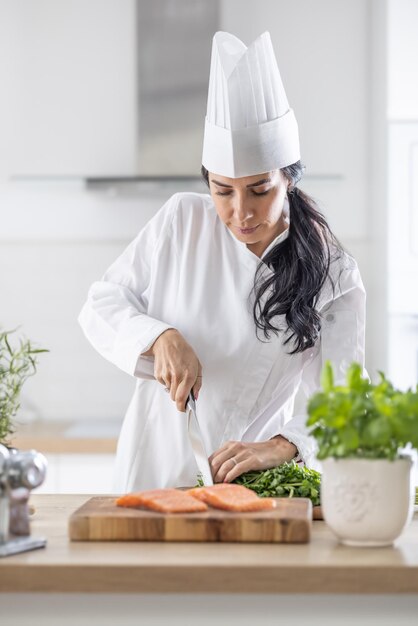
(247, 231)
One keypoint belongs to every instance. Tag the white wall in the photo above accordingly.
(402, 186)
(57, 237)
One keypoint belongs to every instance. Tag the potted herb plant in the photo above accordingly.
(17, 364)
(362, 431)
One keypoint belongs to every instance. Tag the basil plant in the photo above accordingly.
(361, 419)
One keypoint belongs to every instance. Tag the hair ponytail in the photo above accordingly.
(300, 265)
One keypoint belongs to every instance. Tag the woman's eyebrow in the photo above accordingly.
(220, 184)
(263, 181)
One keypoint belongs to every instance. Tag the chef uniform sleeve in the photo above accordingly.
(342, 340)
(114, 318)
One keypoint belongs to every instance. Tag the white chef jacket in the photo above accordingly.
(186, 270)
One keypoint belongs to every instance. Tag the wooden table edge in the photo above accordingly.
(208, 579)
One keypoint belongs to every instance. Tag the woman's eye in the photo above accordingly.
(260, 193)
(255, 193)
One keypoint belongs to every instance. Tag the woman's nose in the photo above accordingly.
(242, 210)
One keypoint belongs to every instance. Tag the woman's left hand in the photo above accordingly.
(237, 457)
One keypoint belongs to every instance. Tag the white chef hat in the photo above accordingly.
(249, 128)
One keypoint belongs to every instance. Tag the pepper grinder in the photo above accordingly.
(20, 472)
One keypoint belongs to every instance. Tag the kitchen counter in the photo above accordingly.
(323, 566)
(68, 437)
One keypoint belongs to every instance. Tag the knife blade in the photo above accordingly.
(196, 440)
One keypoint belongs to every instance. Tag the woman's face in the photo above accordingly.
(251, 206)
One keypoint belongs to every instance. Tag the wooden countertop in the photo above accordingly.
(60, 437)
(323, 566)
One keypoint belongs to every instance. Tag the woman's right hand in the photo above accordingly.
(176, 366)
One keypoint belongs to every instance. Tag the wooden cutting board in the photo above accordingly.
(99, 519)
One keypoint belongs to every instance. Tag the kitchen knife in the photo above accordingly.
(196, 440)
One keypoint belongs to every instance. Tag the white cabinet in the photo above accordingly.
(51, 483)
(403, 350)
(403, 217)
(78, 473)
(402, 187)
(70, 87)
(82, 473)
(403, 253)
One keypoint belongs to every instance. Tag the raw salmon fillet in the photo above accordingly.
(231, 497)
(136, 498)
(163, 501)
(200, 492)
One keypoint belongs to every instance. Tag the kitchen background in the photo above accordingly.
(101, 120)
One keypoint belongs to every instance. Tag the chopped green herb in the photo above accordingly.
(199, 479)
(286, 480)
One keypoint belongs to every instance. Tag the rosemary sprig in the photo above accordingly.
(17, 364)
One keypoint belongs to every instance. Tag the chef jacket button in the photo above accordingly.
(330, 318)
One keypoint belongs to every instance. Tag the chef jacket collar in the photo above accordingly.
(284, 235)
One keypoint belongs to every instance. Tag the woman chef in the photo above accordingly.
(240, 295)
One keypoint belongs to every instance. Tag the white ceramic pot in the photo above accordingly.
(367, 502)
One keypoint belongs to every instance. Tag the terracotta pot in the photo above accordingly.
(367, 502)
